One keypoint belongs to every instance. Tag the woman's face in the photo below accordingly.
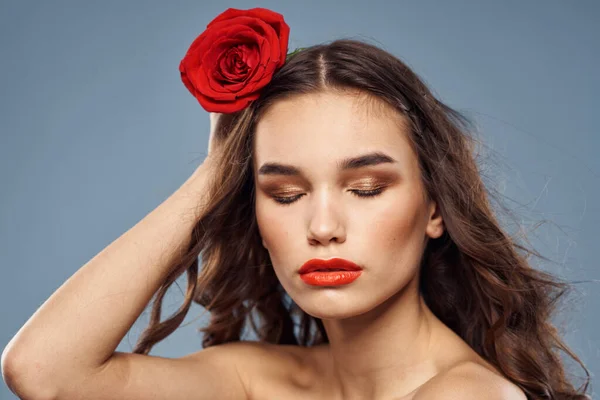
(310, 136)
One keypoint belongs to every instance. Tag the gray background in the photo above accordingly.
(96, 128)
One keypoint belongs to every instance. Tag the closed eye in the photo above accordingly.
(360, 193)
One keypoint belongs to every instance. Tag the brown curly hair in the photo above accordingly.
(475, 278)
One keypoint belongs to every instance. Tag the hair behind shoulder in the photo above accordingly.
(475, 278)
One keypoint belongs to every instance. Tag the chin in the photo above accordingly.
(332, 308)
(332, 315)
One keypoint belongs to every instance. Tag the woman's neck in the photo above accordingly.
(387, 352)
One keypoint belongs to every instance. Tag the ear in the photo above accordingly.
(435, 224)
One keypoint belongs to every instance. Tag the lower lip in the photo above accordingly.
(330, 278)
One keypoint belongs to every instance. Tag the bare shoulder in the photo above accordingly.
(469, 380)
(254, 359)
(267, 369)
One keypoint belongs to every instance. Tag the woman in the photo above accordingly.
(340, 213)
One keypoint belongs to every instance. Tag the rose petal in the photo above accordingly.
(226, 75)
(198, 60)
(272, 18)
(192, 61)
(225, 107)
(260, 75)
(210, 60)
(242, 49)
(263, 29)
(253, 41)
(236, 75)
(186, 81)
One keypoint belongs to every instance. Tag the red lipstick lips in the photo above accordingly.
(332, 272)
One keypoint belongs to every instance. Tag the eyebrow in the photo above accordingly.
(351, 163)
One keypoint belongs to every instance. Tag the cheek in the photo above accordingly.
(392, 228)
(273, 227)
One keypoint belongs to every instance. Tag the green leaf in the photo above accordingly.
(294, 52)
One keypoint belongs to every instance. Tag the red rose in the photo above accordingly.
(227, 65)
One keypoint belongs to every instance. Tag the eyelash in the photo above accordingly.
(359, 193)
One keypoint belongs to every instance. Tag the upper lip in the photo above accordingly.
(330, 264)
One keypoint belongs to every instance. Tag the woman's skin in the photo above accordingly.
(384, 341)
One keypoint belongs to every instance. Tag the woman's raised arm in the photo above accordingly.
(70, 341)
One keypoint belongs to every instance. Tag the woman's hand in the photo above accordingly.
(218, 130)
(214, 118)
(215, 142)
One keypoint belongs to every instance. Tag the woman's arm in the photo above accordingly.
(79, 327)
(76, 331)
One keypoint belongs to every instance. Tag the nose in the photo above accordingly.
(326, 220)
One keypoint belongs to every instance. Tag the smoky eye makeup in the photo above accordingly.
(278, 187)
(371, 179)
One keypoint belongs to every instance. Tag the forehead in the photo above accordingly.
(329, 126)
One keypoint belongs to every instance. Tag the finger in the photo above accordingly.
(214, 118)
